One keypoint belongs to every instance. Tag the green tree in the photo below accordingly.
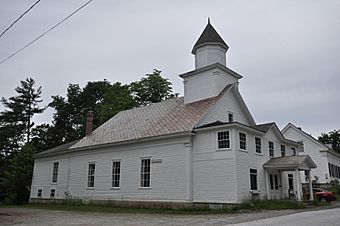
(16, 181)
(20, 109)
(117, 98)
(151, 89)
(333, 138)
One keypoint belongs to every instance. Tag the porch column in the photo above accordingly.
(298, 184)
(311, 197)
(267, 182)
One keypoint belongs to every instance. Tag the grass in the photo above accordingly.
(250, 205)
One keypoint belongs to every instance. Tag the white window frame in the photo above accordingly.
(223, 140)
(91, 175)
(283, 150)
(144, 174)
(252, 174)
(294, 153)
(258, 146)
(241, 142)
(116, 174)
(230, 117)
(52, 192)
(55, 172)
(271, 150)
(39, 194)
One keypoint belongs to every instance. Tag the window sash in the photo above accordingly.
(55, 172)
(230, 117)
(223, 139)
(39, 193)
(91, 173)
(293, 151)
(253, 179)
(283, 151)
(271, 148)
(243, 141)
(52, 194)
(116, 167)
(145, 173)
(258, 144)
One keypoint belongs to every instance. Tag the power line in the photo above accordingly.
(19, 18)
(43, 34)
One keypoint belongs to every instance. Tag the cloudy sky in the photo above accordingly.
(287, 51)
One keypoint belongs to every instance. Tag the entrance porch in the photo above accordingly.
(282, 176)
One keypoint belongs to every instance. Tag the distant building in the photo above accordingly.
(204, 147)
(327, 160)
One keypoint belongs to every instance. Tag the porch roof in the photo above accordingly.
(301, 162)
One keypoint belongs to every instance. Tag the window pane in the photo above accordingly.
(223, 139)
(116, 174)
(145, 173)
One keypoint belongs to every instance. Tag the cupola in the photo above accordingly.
(209, 48)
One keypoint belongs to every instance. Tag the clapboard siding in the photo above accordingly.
(213, 171)
(168, 181)
(312, 148)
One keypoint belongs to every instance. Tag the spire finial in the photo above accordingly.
(208, 20)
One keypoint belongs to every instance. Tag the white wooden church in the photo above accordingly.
(204, 147)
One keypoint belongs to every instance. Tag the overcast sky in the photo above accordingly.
(288, 52)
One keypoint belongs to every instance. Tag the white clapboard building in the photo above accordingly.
(204, 147)
(327, 160)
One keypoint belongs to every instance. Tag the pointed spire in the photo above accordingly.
(209, 36)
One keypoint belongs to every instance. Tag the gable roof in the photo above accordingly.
(164, 118)
(209, 36)
(310, 137)
(264, 127)
(291, 162)
(57, 149)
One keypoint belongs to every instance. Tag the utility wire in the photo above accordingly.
(19, 18)
(43, 34)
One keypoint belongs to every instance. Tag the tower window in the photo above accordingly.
(230, 117)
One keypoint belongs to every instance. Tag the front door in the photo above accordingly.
(275, 185)
(291, 193)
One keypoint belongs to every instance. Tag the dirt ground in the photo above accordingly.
(30, 217)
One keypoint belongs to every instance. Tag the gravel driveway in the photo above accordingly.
(26, 216)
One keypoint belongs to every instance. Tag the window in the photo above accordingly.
(243, 141)
(39, 193)
(271, 148)
(90, 175)
(230, 117)
(290, 182)
(52, 195)
(116, 174)
(271, 182)
(55, 172)
(145, 173)
(283, 150)
(253, 179)
(293, 151)
(223, 140)
(276, 182)
(258, 144)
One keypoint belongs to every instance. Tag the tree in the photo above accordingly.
(333, 138)
(21, 108)
(16, 181)
(151, 89)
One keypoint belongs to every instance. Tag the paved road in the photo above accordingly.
(33, 217)
(328, 217)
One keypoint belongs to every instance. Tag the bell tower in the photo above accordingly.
(209, 48)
